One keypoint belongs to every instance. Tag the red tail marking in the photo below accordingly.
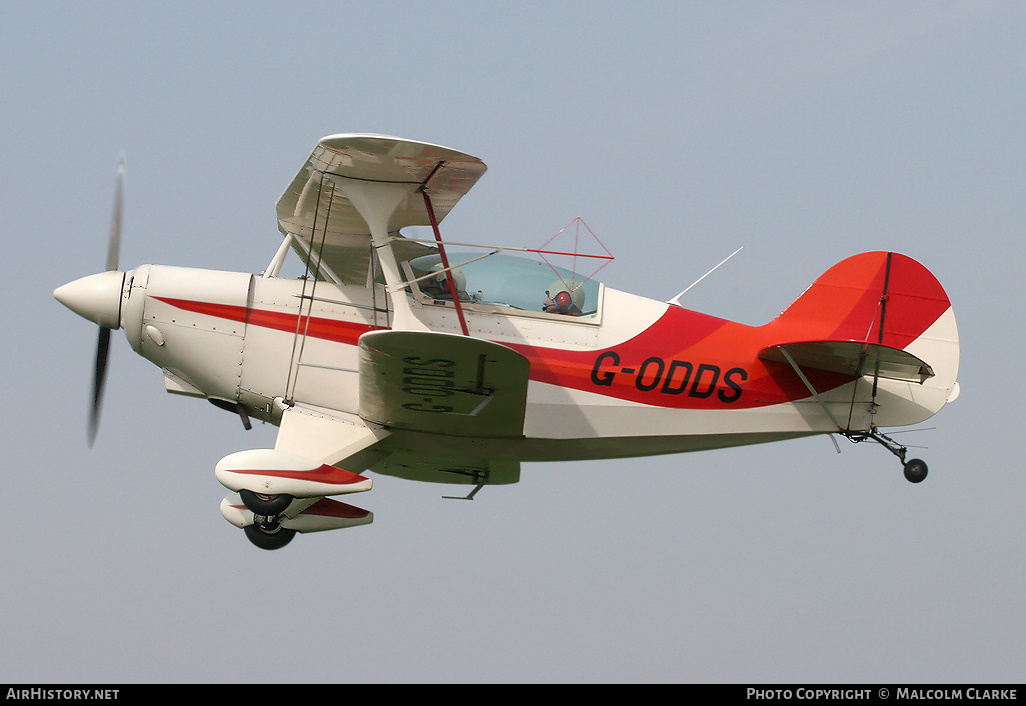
(845, 303)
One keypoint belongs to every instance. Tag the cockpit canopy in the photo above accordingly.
(508, 282)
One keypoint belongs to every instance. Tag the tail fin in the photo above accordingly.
(881, 315)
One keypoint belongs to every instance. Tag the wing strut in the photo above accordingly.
(811, 389)
(450, 280)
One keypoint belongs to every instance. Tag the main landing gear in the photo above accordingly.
(266, 531)
(915, 469)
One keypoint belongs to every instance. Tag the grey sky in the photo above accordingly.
(678, 131)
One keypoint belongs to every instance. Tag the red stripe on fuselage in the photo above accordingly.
(328, 329)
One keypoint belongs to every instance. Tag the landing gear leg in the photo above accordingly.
(915, 469)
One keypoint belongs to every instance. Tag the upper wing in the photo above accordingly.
(324, 222)
(442, 383)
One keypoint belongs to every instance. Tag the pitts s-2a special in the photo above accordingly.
(402, 357)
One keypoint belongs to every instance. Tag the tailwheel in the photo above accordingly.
(267, 533)
(915, 470)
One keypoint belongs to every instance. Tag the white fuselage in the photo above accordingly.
(239, 338)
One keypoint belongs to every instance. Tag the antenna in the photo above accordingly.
(676, 300)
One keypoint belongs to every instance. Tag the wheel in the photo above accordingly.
(269, 537)
(915, 470)
(269, 505)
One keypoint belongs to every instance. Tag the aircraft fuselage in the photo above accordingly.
(641, 377)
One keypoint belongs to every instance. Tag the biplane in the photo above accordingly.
(454, 363)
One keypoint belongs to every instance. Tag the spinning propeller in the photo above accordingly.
(103, 342)
(98, 298)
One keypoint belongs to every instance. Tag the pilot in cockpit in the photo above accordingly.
(437, 287)
(561, 299)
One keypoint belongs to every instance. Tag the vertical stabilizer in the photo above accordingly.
(875, 306)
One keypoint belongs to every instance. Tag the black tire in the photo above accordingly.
(267, 505)
(915, 470)
(274, 538)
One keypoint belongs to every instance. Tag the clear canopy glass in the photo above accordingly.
(509, 282)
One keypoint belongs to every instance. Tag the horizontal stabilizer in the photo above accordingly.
(853, 358)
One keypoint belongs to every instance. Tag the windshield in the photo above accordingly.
(510, 282)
